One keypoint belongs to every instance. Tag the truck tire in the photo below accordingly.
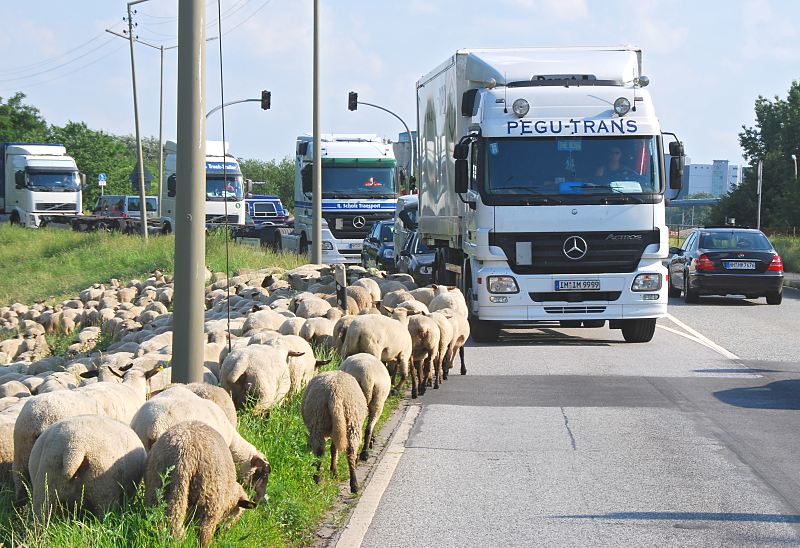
(303, 245)
(14, 219)
(639, 331)
(484, 331)
(166, 229)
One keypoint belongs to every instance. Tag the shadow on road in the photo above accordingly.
(775, 395)
(541, 337)
(690, 516)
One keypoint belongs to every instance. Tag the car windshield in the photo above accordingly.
(751, 241)
(387, 233)
(568, 166)
(46, 181)
(219, 189)
(358, 182)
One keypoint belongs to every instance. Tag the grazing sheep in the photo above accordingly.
(413, 306)
(339, 332)
(178, 404)
(392, 299)
(260, 370)
(370, 285)
(334, 407)
(361, 296)
(312, 307)
(119, 401)
(318, 331)
(302, 363)
(202, 479)
(263, 320)
(385, 338)
(375, 383)
(216, 394)
(350, 303)
(14, 389)
(8, 418)
(84, 460)
(292, 326)
(387, 286)
(425, 337)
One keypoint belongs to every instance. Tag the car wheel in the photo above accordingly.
(638, 331)
(775, 297)
(690, 296)
(673, 291)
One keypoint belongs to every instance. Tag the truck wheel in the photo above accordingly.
(639, 331)
(14, 219)
(166, 229)
(303, 245)
(484, 330)
(775, 297)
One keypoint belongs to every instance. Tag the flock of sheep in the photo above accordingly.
(86, 428)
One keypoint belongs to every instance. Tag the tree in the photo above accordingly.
(20, 122)
(278, 178)
(774, 138)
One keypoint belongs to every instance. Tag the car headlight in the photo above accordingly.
(502, 284)
(327, 245)
(646, 282)
(388, 254)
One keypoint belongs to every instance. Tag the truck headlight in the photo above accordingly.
(502, 284)
(327, 245)
(388, 254)
(646, 282)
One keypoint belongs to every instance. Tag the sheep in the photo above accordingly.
(334, 407)
(202, 479)
(423, 294)
(445, 338)
(35, 417)
(217, 395)
(387, 286)
(292, 326)
(119, 401)
(84, 460)
(385, 338)
(393, 298)
(302, 364)
(350, 304)
(14, 389)
(318, 331)
(178, 404)
(340, 330)
(263, 320)
(460, 335)
(448, 297)
(425, 337)
(370, 285)
(413, 306)
(8, 418)
(360, 295)
(258, 369)
(312, 307)
(375, 383)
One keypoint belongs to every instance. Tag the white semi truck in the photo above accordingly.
(542, 187)
(359, 188)
(224, 187)
(39, 181)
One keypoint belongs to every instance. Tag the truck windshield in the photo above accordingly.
(219, 189)
(572, 166)
(48, 181)
(357, 182)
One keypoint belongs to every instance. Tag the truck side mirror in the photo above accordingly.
(19, 179)
(172, 185)
(305, 177)
(462, 176)
(249, 186)
(461, 151)
(676, 165)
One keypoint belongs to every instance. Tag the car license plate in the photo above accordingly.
(740, 265)
(577, 285)
(356, 245)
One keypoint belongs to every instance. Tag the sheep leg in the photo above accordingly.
(445, 364)
(368, 436)
(319, 451)
(414, 389)
(351, 465)
(463, 365)
(177, 497)
(437, 372)
(419, 370)
(334, 458)
(207, 522)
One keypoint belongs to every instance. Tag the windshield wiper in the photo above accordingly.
(614, 190)
(536, 193)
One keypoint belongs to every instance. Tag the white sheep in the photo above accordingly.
(312, 307)
(292, 326)
(260, 370)
(448, 297)
(201, 479)
(445, 338)
(461, 332)
(334, 407)
(302, 363)
(370, 285)
(263, 320)
(88, 461)
(425, 337)
(375, 383)
(318, 331)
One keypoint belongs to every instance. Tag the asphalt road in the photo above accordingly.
(565, 437)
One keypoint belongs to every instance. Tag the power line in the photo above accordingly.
(245, 20)
(27, 76)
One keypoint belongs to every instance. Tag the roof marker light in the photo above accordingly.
(520, 107)
(622, 106)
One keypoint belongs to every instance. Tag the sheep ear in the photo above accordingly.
(249, 504)
(322, 362)
(293, 354)
(90, 374)
(126, 367)
(434, 287)
(115, 372)
(153, 372)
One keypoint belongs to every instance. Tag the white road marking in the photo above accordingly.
(703, 339)
(360, 520)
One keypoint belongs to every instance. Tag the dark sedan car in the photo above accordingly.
(416, 259)
(726, 261)
(378, 250)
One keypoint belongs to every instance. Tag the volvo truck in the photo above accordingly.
(359, 188)
(39, 181)
(224, 187)
(542, 187)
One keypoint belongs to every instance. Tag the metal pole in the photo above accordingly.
(316, 194)
(215, 109)
(187, 319)
(758, 215)
(161, 136)
(794, 159)
(139, 155)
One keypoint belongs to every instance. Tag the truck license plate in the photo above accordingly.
(740, 265)
(356, 245)
(577, 285)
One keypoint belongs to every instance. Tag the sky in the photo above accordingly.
(707, 61)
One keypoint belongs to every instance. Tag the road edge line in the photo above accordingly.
(703, 339)
(356, 528)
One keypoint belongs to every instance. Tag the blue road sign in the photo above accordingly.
(101, 177)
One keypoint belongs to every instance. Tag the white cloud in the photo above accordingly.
(563, 10)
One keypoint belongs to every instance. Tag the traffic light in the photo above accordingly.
(352, 100)
(266, 99)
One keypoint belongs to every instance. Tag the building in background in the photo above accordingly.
(716, 179)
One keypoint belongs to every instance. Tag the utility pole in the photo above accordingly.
(758, 215)
(139, 155)
(190, 248)
(316, 188)
(161, 134)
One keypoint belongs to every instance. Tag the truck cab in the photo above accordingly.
(224, 187)
(39, 180)
(359, 188)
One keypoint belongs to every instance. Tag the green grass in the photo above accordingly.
(789, 250)
(289, 516)
(55, 264)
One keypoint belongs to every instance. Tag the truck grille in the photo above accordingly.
(574, 296)
(574, 309)
(220, 219)
(605, 251)
(343, 224)
(48, 206)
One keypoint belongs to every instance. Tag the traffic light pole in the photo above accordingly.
(265, 100)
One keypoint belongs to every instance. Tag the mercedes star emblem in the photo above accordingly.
(359, 222)
(575, 248)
